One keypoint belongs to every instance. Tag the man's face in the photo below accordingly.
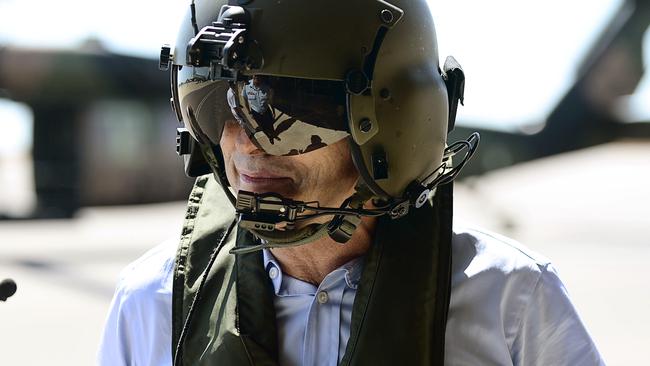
(326, 175)
(257, 81)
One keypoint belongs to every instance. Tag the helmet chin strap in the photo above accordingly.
(284, 239)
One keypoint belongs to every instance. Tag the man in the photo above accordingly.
(257, 96)
(345, 254)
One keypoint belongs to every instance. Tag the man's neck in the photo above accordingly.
(312, 262)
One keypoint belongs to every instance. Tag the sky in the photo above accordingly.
(530, 47)
(135, 27)
(519, 57)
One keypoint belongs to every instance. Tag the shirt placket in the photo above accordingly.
(321, 345)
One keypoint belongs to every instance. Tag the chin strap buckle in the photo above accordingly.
(399, 210)
(266, 211)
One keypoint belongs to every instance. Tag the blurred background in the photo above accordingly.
(90, 179)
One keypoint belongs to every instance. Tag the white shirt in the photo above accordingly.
(257, 96)
(507, 307)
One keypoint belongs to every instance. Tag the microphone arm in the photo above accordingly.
(270, 211)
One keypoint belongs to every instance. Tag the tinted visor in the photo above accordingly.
(282, 116)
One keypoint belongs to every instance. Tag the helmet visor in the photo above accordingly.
(281, 116)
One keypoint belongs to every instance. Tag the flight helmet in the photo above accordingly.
(300, 75)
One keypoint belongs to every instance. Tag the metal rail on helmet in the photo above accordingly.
(225, 46)
(216, 43)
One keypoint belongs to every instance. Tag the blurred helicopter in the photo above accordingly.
(102, 130)
(586, 115)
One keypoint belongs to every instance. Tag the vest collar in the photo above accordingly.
(400, 309)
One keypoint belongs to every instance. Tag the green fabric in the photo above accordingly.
(399, 312)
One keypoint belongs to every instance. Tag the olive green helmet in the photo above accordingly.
(366, 70)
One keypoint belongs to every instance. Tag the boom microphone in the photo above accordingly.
(7, 289)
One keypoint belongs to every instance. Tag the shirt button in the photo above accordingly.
(322, 297)
(273, 273)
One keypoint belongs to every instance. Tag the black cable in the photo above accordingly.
(178, 354)
(472, 144)
(455, 148)
(346, 211)
(194, 25)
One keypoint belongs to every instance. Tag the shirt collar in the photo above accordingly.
(273, 270)
(351, 272)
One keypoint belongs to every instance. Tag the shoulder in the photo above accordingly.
(138, 326)
(151, 273)
(508, 305)
(493, 279)
(492, 268)
(145, 285)
(477, 252)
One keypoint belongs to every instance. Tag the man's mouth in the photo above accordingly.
(260, 178)
(261, 182)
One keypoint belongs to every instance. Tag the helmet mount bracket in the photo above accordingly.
(225, 46)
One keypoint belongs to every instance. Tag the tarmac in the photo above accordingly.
(588, 211)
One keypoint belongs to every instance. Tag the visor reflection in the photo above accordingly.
(282, 116)
(292, 116)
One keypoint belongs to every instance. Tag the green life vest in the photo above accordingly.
(399, 312)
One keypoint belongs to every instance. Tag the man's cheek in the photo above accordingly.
(231, 172)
